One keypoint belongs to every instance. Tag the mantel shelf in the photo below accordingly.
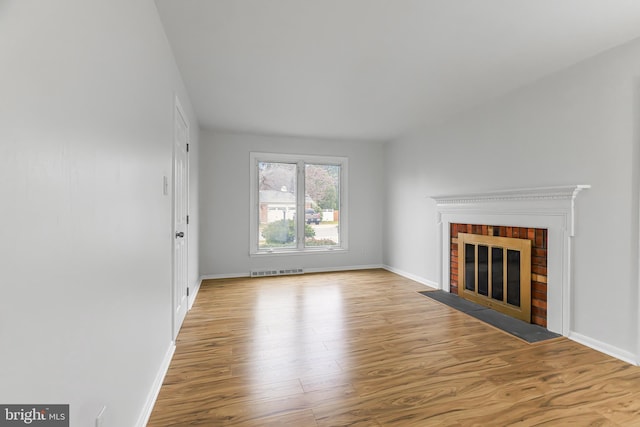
(566, 192)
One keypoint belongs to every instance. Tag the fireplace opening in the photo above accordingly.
(489, 266)
(496, 273)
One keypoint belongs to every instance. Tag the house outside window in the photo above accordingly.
(298, 203)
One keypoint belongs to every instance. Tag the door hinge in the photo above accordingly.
(187, 148)
(187, 219)
(187, 291)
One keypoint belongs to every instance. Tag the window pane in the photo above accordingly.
(277, 205)
(322, 205)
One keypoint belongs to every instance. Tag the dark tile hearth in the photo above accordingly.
(526, 331)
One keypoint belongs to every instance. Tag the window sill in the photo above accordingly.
(308, 251)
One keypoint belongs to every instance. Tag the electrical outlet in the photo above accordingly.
(100, 417)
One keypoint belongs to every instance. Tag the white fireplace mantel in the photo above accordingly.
(552, 208)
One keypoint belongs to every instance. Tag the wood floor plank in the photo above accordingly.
(363, 348)
(303, 418)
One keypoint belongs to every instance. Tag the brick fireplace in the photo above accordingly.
(538, 238)
(544, 215)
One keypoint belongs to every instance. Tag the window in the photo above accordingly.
(297, 203)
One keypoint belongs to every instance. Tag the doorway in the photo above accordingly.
(180, 291)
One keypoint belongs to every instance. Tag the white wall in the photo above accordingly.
(224, 196)
(86, 118)
(579, 126)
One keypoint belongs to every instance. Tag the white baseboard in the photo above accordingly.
(224, 276)
(605, 348)
(413, 277)
(344, 268)
(194, 293)
(155, 388)
(306, 270)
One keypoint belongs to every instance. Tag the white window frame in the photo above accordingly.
(300, 160)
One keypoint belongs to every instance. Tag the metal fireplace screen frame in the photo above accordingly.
(496, 272)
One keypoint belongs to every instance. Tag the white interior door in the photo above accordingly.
(180, 206)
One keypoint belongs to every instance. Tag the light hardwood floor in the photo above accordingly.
(363, 348)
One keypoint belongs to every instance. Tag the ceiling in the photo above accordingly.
(375, 69)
